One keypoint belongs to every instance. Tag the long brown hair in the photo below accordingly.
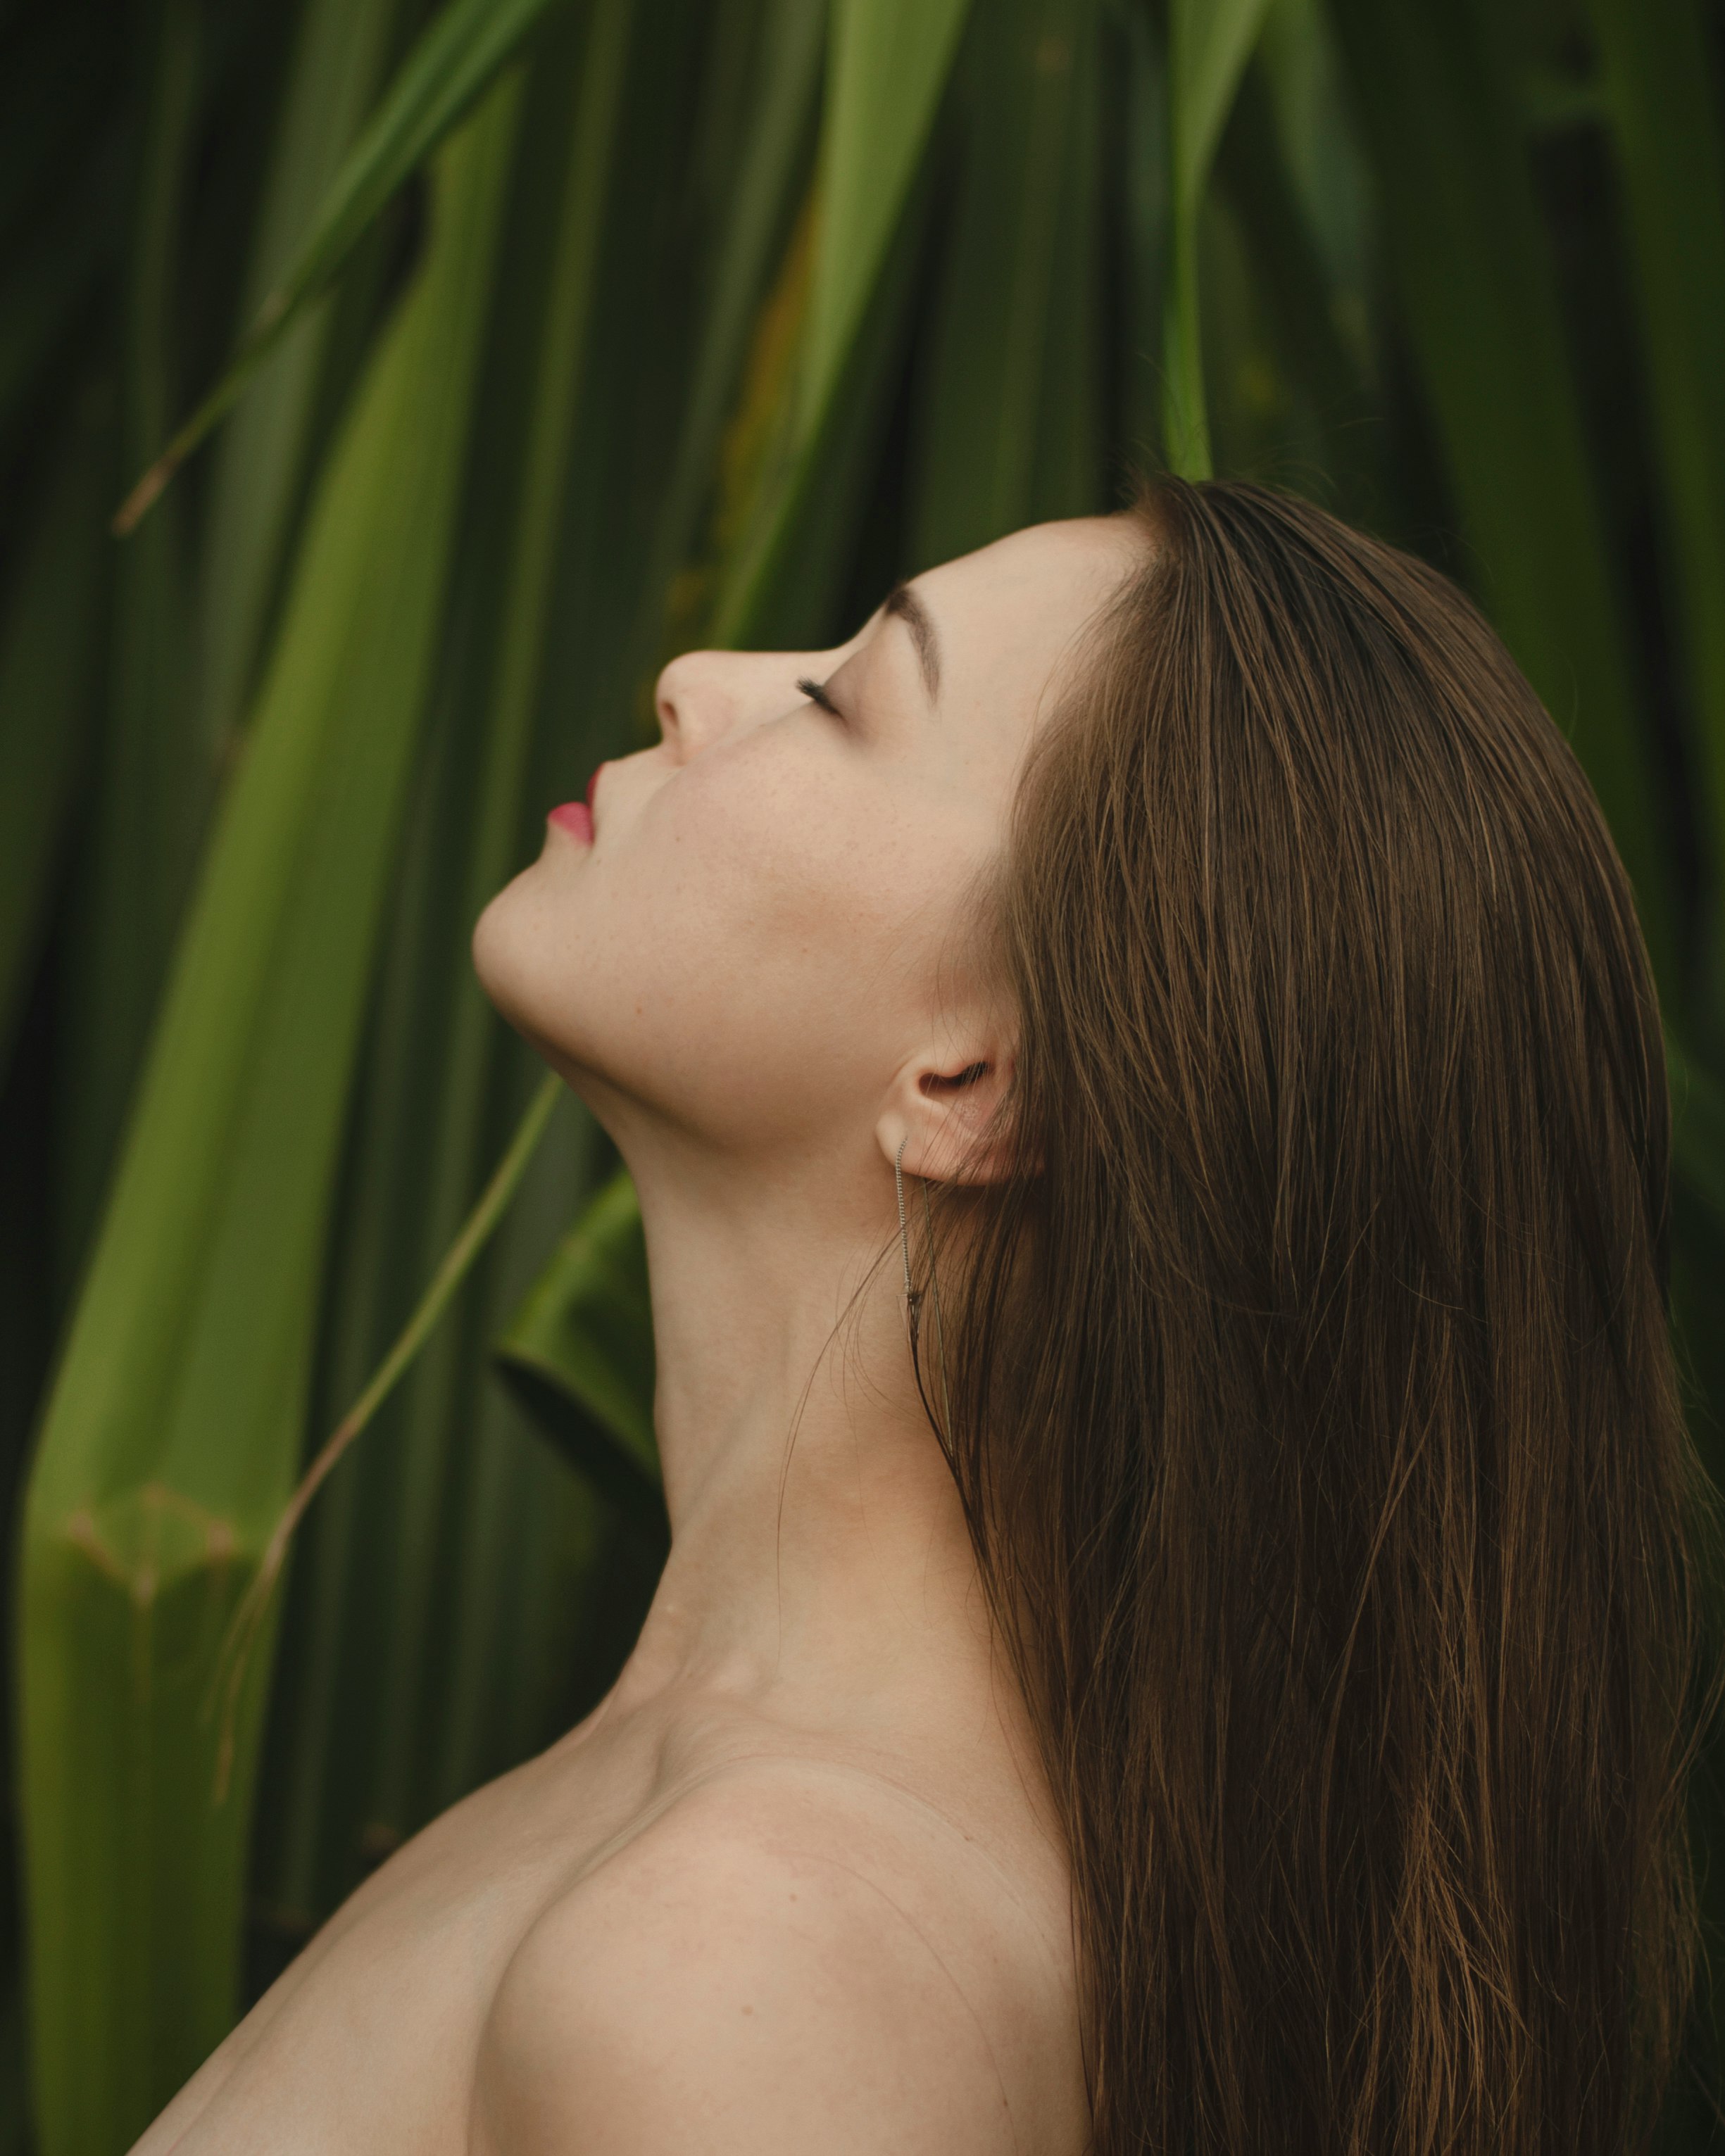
(1310, 1386)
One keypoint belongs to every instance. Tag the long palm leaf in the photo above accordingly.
(173, 1431)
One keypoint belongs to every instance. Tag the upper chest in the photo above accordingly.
(369, 2042)
(366, 2041)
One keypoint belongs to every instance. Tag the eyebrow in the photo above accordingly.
(903, 601)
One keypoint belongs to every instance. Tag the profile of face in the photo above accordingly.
(753, 937)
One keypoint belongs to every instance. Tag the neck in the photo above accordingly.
(818, 1545)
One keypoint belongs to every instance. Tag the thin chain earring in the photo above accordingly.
(914, 1297)
(913, 1294)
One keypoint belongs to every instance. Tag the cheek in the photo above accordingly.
(744, 922)
(746, 952)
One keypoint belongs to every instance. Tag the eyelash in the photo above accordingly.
(817, 695)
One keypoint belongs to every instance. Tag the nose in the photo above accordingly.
(704, 695)
(696, 699)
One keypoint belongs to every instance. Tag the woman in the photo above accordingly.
(1149, 1114)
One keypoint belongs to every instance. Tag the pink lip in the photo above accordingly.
(576, 817)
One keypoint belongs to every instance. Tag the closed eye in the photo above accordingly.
(816, 694)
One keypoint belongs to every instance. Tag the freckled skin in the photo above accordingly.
(796, 1884)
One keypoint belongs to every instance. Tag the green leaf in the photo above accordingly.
(1011, 421)
(579, 1355)
(1209, 43)
(1138, 184)
(457, 1262)
(258, 481)
(1697, 1249)
(153, 779)
(426, 1567)
(887, 64)
(1328, 180)
(1436, 107)
(1299, 298)
(1661, 71)
(453, 63)
(173, 1429)
(48, 641)
(545, 466)
(415, 1564)
(761, 209)
(526, 1539)
(47, 281)
(1697, 1132)
(490, 820)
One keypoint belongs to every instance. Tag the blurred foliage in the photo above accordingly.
(571, 334)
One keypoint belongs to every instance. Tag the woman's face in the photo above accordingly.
(759, 934)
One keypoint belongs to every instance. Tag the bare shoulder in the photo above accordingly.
(778, 1961)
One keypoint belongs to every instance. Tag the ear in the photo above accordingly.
(942, 1107)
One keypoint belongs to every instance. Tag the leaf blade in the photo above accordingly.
(1474, 267)
(452, 65)
(1670, 137)
(888, 61)
(1209, 43)
(174, 1425)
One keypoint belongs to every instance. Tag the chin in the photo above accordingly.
(495, 945)
(508, 956)
(522, 955)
